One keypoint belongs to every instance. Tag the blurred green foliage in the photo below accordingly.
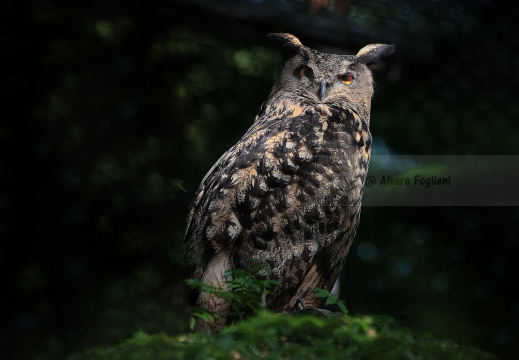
(273, 336)
(112, 117)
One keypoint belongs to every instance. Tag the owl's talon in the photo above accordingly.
(300, 302)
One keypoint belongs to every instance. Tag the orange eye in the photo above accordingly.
(346, 79)
(304, 72)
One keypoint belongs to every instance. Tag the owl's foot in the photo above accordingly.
(300, 304)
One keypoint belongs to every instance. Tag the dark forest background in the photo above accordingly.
(113, 111)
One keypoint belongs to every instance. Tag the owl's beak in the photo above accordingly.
(322, 90)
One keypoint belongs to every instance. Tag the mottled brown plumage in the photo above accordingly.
(288, 195)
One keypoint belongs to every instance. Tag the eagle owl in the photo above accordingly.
(288, 195)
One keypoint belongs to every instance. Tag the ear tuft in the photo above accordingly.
(287, 40)
(370, 54)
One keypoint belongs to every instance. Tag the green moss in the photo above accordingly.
(274, 336)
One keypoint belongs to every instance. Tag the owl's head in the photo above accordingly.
(322, 78)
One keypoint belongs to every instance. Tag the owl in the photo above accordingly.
(287, 196)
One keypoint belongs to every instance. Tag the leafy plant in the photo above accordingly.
(331, 299)
(247, 293)
(204, 314)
